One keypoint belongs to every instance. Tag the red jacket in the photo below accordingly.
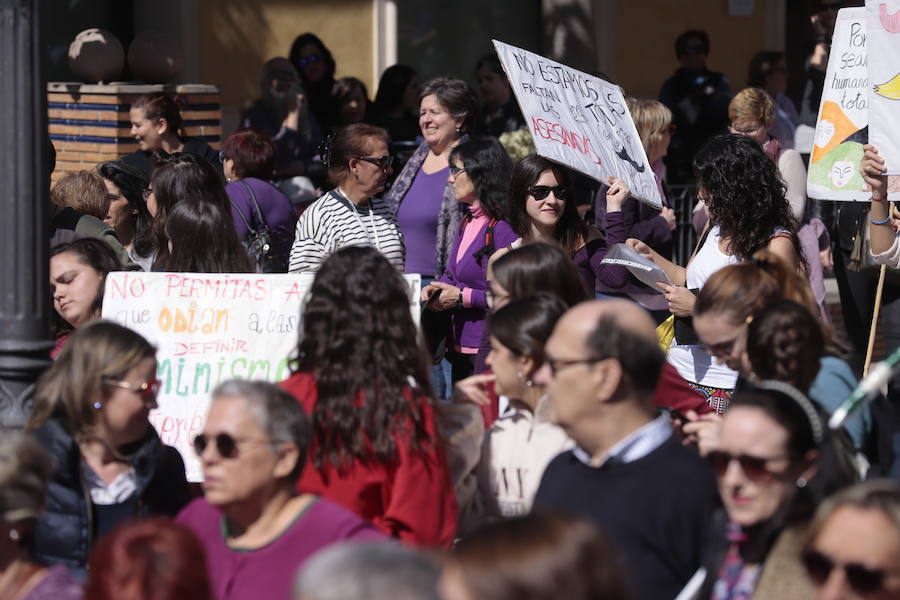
(411, 498)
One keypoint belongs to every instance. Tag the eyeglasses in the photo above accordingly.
(861, 579)
(558, 365)
(382, 162)
(744, 130)
(720, 349)
(671, 129)
(147, 389)
(226, 446)
(542, 191)
(454, 170)
(755, 468)
(305, 60)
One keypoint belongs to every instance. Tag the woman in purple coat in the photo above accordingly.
(479, 172)
(256, 204)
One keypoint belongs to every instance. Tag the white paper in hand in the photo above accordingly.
(646, 270)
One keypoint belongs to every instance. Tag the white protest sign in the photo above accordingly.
(883, 28)
(843, 114)
(579, 120)
(208, 328)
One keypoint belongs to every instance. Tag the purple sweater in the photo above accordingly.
(268, 572)
(276, 209)
(467, 323)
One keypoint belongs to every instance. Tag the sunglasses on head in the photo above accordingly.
(755, 468)
(226, 446)
(305, 60)
(382, 162)
(542, 191)
(861, 579)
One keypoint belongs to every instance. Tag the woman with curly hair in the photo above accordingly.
(748, 212)
(364, 381)
(128, 215)
(479, 170)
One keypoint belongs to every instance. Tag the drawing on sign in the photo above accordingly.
(890, 23)
(579, 120)
(891, 89)
(842, 126)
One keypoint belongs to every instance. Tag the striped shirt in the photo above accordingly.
(332, 222)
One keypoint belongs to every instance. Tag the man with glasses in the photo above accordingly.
(629, 471)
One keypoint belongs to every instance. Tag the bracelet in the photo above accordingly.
(882, 222)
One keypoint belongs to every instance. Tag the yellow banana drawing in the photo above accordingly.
(890, 89)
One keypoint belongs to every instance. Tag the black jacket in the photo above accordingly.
(63, 534)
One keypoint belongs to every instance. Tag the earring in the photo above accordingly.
(98, 405)
(14, 535)
(801, 482)
(529, 383)
(458, 130)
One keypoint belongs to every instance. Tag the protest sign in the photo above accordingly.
(841, 129)
(883, 28)
(208, 328)
(579, 120)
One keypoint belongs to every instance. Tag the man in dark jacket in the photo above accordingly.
(629, 471)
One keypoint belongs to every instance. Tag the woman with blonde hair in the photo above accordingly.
(24, 470)
(91, 412)
(84, 191)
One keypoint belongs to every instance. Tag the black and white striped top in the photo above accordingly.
(332, 222)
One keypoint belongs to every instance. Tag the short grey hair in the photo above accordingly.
(875, 494)
(25, 468)
(278, 413)
(368, 571)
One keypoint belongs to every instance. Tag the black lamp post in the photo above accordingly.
(24, 339)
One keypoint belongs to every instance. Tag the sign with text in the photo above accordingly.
(208, 328)
(842, 126)
(883, 28)
(579, 120)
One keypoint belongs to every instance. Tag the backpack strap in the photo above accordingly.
(259, 215)
(487, 247)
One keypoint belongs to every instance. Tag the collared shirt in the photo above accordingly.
(634, 446)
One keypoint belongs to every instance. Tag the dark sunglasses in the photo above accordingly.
(226, 446)
(305, 60)
(861, 579)
(382, 162)
(542, 191)
(755, 468)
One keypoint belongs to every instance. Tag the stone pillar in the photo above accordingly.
(24, 305)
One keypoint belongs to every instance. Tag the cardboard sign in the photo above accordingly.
(208, 328)
(841, 128)
(883, 28)
(579, 120)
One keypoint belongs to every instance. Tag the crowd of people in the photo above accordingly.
(553, 428)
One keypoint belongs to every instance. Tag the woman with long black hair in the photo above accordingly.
(364, 381)
(128, 215)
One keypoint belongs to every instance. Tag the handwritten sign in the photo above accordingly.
(579, 120)
(841, 129)
(208, 328)
(883, 26)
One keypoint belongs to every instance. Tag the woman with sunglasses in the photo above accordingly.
(316, 67)
(853, 547)
(479, 170)
(256, 530)
(774, 463)
(358, 162)
(91, 412)
(362, 377)
(539, 211)
(748, 213)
